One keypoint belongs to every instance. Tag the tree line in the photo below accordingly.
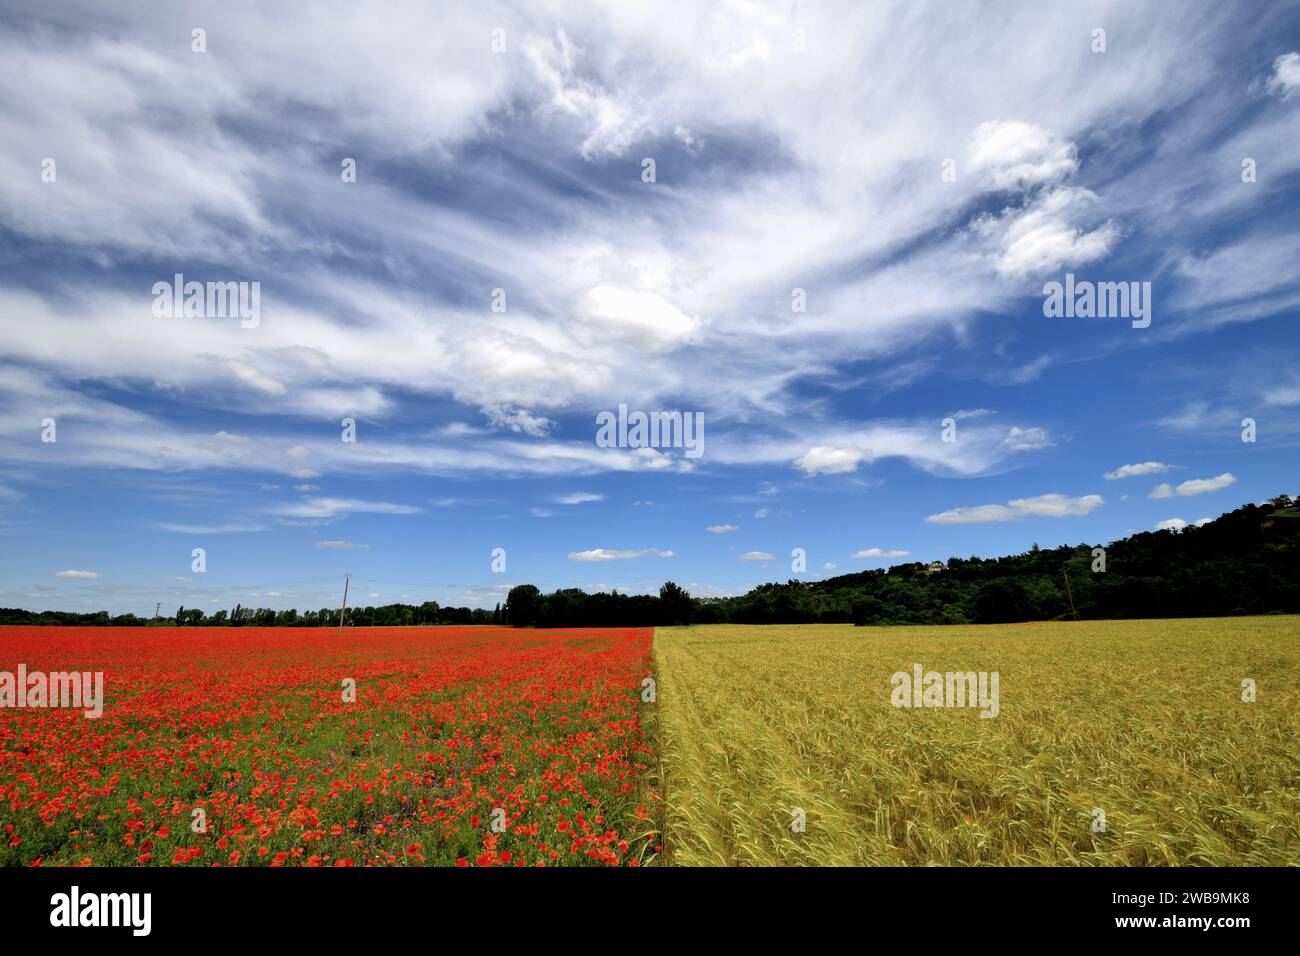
(388, 615)
(1245, 562)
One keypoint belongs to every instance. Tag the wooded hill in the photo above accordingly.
(1246, 562)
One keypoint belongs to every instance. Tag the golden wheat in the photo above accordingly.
(1141, 720)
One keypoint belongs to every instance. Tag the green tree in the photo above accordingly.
(676, 604)
(523, 605)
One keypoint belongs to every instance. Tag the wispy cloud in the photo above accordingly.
(340, 507)
(180, 528)
(1194, 486)
(1285, 81)
(605, 554)
(579, 497)
(1052, 505)
(1143, 468)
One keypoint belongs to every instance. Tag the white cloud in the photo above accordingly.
(1027, 439)
(1046, 234)
(1288, 394)
(338, 545)
(579, 497)
(721, 528)
(975, 514)
(643, 319)
(605, 554)
(89, 575)
(517, 420)
(825, 460)
(1194, 486)
(1142, 468)
(762, 512)
(609, 124)
(254, 378)
(227, 437)
(313, 507)
(1202, 522)
(1054, 226)
(1057, 505)
(756, 556)
(1052, 505)
(1285, 80)
(207, 528)
(878, 553)
(1013, 155)
(1171, 524)
(1200, 486)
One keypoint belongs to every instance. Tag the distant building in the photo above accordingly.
(934, 566)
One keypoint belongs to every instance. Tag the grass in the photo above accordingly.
(1142, 719)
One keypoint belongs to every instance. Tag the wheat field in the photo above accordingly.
(1137, 725)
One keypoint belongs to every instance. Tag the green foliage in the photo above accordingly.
(523, 605)
(675, 604)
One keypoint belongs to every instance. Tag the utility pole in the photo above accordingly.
(1065, 574)
(155, 610)
(343, 608)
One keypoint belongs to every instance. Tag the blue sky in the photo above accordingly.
(918, 171)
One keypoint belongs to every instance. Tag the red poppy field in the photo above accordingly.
(467, 746)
